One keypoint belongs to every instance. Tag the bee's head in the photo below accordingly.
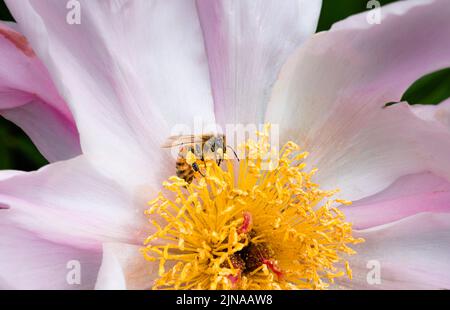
(214, 148)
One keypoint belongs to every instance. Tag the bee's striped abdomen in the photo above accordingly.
(184, 170)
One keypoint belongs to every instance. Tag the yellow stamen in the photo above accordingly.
(251, 228)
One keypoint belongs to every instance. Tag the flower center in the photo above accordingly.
(249, 227)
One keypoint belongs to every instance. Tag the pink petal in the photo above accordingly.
(124, 267)
(55, 136)
(413, 253)
(439, 113)
(247, 42)
(72, 203)
(110, 276)
(130, 71)
(6, 174)
(29, 98)
(29, 262)
(330, 97)
(408, 196)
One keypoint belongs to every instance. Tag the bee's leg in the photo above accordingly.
(234, 152)
(197, 169)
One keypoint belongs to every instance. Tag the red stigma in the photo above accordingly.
(234, 279)
(246, 224)
(272, 265)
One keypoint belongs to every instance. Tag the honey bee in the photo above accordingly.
(203, 147)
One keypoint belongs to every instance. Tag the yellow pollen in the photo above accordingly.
(245, 227)
(190, 158)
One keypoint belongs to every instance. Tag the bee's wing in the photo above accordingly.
(182, 140)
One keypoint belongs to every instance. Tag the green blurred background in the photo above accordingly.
(18, 152)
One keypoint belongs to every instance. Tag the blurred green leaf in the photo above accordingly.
(334, 11)
(430, 89)
(5, 161)
(4, 12)
(16, 149)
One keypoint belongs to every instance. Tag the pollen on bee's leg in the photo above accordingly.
(250, 228)
(190, 158)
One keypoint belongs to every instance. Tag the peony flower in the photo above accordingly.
(99, 98)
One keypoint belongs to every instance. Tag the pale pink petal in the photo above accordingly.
(130, 71)
(72, 203)
(123, 267)
(29, 262)
(407, 196)
(6, 174)
(110, 276)
(413, 253)
(247, 42)
(54, 136)
(29, 98)
(330, 95)
(363, 155)
(439, 113)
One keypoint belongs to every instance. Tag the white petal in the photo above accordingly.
(125, 267)
(413, 253)
(330, 96)
(54, 135)
(71, 203)
(130, 71)
(6, 174)
(368, 153)
(247, 42)
(29, 262)
(29, 98)
(439, 113)
(407, 196)
(110, 276)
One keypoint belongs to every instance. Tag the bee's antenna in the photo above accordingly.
(234, 152)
